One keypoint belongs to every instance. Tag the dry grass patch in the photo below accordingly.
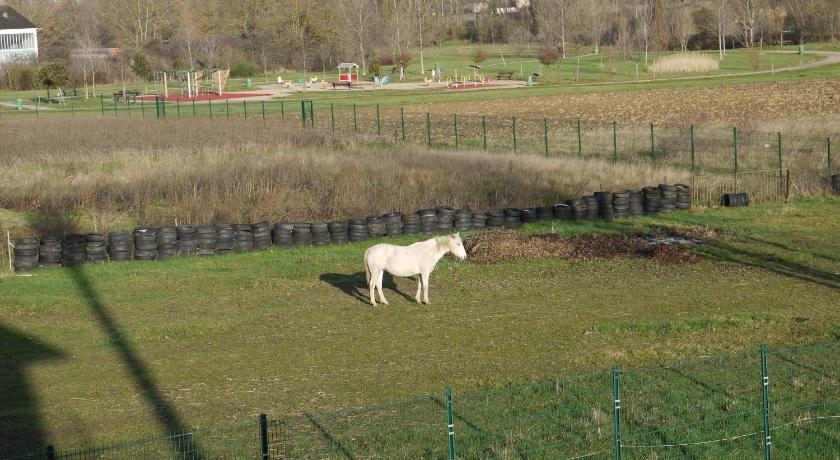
(685, 63)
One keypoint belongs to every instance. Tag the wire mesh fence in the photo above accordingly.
(783, 402)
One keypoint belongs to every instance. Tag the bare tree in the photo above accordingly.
(682, 23)
(721, 10)
(644, 21)
(747, 16)
(357, 15)
(421, 14)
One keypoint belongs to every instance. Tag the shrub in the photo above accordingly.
(141, 67)
(479, 56)
(54, 73)
(244, 69)
(21, 78)
(374, 66)
(549, 55)
(403, 60)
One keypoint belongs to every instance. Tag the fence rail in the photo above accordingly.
(783, 402)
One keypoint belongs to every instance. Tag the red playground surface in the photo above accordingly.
(467, 86)
(204, 97)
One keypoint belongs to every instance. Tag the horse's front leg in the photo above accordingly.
(425, 278)
(419, 289)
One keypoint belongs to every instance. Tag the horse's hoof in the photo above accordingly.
(385, 302)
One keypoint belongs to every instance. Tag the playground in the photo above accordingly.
(206, 96)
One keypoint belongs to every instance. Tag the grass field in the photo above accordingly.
(123, 351)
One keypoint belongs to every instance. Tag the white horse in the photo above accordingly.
(417, 259)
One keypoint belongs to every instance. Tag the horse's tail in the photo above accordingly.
(367, 268)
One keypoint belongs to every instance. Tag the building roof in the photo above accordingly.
(348, 65)
(11, 19)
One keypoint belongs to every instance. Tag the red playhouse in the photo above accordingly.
(348, 71)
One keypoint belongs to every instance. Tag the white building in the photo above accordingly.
(18, 37)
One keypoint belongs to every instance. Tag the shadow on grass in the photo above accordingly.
(163, 410)
(356, 286)
(331, 441)
(21, 429)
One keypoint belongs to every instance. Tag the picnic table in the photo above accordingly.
(508, 75)
(129, 94)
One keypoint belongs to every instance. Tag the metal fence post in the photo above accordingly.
(73, 110)
(513, 127)
(428, 130)
(828, 150)
(193, 107)
(450, 425)
(765, 393)
(378, 124)
(38, 108)
(693, 165)
(616, 375)
(615, 142)
(355, 122)
(262, 106)
(779, 148)
(115, 107)
(402, 123)
(50, 453)
(101, 104)
(177, 108)
(456, 130)
(245, 108)
(227, 109)
(545, 135)
(263, 437)
(652, 146)
(484, 132)
(282, 110)
(332, 116)
(580, 142)
(143, 109)
(210, 107)
(735, 147)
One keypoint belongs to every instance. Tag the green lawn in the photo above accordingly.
(123, 351)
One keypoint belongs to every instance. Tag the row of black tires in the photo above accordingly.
(185, 240)
(835, 183)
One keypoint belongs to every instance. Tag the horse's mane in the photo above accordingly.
(443, 243)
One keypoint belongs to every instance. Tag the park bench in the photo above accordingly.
(508, 75)
(535, 77)
(348, 84)
(130, 94)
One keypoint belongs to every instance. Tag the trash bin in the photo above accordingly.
(530, 80)
(801, 49)
(19, 104)
(247, 82)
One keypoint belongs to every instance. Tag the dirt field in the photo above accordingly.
(706, 105)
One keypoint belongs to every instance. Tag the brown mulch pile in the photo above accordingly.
(492, 247)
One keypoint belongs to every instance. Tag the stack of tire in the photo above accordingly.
(428, 221)
(145, 244)
(529, 215)
(262, 235)
(281, 235)
(411, 223)
(49, 252)
(578, 207)
(605, 205)
(206, 239)
(591, 207)
(652, 200)
(545, 213)
(376, 227)
(169, 243)
(302, 234)
(621, 204)
(445, 219)
(495, 220)
(338, 232)
(26, 254)
(513, 218)
(835, 183)
(95, 250)
(463, 220)
(119, 246)
(224, 239)
(667, 198)
(187, 240)
(393, 224)
(683, 196)
(243, 239)
(320, 234)
(736, 199)
(478, 221)
(562, 211)
(357, 230)
(635, 203)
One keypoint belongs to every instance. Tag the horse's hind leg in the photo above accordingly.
(379, 287)
(372, 287)
(425, 278)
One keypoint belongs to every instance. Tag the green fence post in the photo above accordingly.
(262, 106)
(210, 108)
(282, 110)
(615, 142)
(450, 423)
(332, 116)
(311, 114)
(616, 374)
(355, 120)
(142, 109)
(178, 107)
(263, 437)
(735, 147)
(765, 393)
(73, 114)
(484, 132)
(128, 105)
(227, 109)
(101, 103)
(580, 142)
(428, 129)
(652, 146)
(115, 107)
(828, 150)
(50, 453)
(378, 125)
(193, 107)
(402, 123)
(513, 129)
(245, 108)
(456, 131)
(693, 164)
(545, 135)
(779, 148)
(37, 108)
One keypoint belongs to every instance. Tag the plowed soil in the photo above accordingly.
(493, 247)
(712, 104)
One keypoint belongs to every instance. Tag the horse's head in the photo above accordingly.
(456, 246)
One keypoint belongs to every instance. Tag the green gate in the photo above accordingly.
(307, 113)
